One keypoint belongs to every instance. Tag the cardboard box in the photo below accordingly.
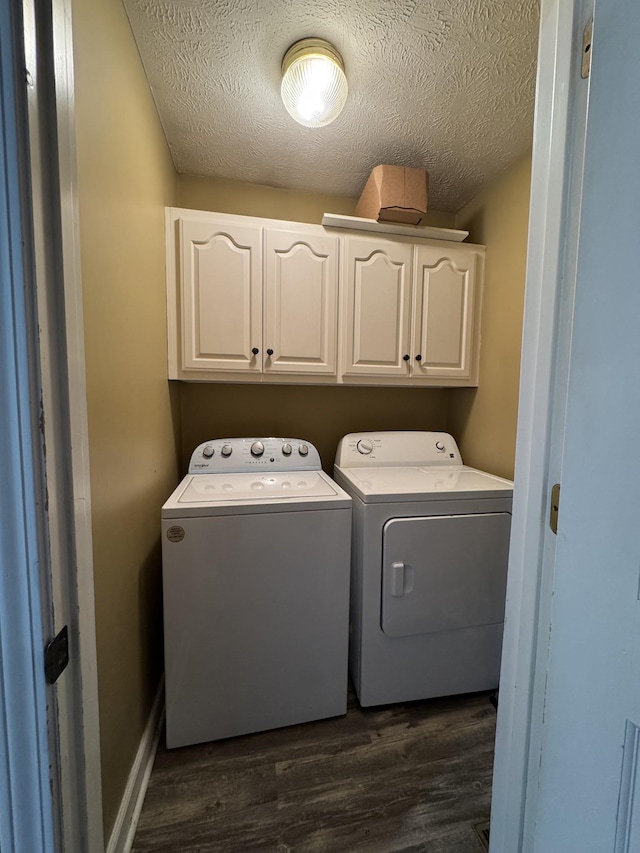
(394, 194)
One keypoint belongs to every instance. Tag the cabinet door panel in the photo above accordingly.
(443, 318)
(221, 296)
(301, 287)
(377, 307)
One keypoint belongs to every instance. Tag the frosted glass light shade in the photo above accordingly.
(314, 87)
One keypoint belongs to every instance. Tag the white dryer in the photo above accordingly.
(429, 566)
(255, 552)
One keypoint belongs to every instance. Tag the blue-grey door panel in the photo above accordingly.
(444, 573)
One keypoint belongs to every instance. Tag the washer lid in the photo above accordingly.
(198, 494)
(412, 483)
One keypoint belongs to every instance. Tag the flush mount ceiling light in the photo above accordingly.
(314, 87)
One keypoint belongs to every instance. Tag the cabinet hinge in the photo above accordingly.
(555, 506)
(587, 36)
(56, 656)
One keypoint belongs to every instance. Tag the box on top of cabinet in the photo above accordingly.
(394, 194)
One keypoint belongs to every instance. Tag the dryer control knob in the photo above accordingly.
(208, 451)
(439, 445)
(286, 449)
(364, 446)
(227, 450)
(303, 450)
(257, 448)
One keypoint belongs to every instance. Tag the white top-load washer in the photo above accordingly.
(429, 565)
(256, 551)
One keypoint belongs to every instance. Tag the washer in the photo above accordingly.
(256, 552)
(429, 565)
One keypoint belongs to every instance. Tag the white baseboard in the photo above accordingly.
(124, 829)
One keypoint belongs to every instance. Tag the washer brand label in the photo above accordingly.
(175, 533)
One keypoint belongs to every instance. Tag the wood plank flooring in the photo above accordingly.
(399, 779)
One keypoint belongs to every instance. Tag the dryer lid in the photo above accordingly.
(414, 483)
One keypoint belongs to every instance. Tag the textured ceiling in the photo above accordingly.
(447, 85)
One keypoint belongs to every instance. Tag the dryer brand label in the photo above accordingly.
(175, 533)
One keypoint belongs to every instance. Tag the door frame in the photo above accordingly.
(556, 181)
(526, 620)
(68, 588)
(27, 815)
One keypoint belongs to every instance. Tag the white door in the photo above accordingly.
(301, 302)
(377, 275)
(443, 312)
(556, 198)
(589, 796)
(221, 296)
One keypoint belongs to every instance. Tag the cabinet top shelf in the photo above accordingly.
(356, 223)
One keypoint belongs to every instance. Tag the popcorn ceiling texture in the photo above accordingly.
(446, 85)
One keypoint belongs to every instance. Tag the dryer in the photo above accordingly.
(255, 553)
(429, 565)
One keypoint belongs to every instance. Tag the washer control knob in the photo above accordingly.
(257, 448)
(208, 451)
(364, 446)
(286, 449)
(303, 450)
(439, 445)
(227, 450)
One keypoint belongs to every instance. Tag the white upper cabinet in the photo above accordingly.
(300, 302)
(442, 337)
(377, 275)
(261, 300)
(410, 311)
(220, 296)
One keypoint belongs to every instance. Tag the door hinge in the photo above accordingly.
(555, 506)
(56, 656)
(587, 36)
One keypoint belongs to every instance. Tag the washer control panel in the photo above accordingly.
(237, 455)
(397, 449)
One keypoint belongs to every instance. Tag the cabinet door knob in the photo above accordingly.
(405, 357)
(269, 352)
(255, 350)
(418, 357)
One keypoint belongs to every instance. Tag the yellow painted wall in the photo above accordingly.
(321, 415)
(483, 420)
(226, 196)
(126, 177)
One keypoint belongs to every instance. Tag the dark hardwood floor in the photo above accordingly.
(403, 778)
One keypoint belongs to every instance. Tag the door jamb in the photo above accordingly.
(49, 46)
(26, 803)
(528, 610)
